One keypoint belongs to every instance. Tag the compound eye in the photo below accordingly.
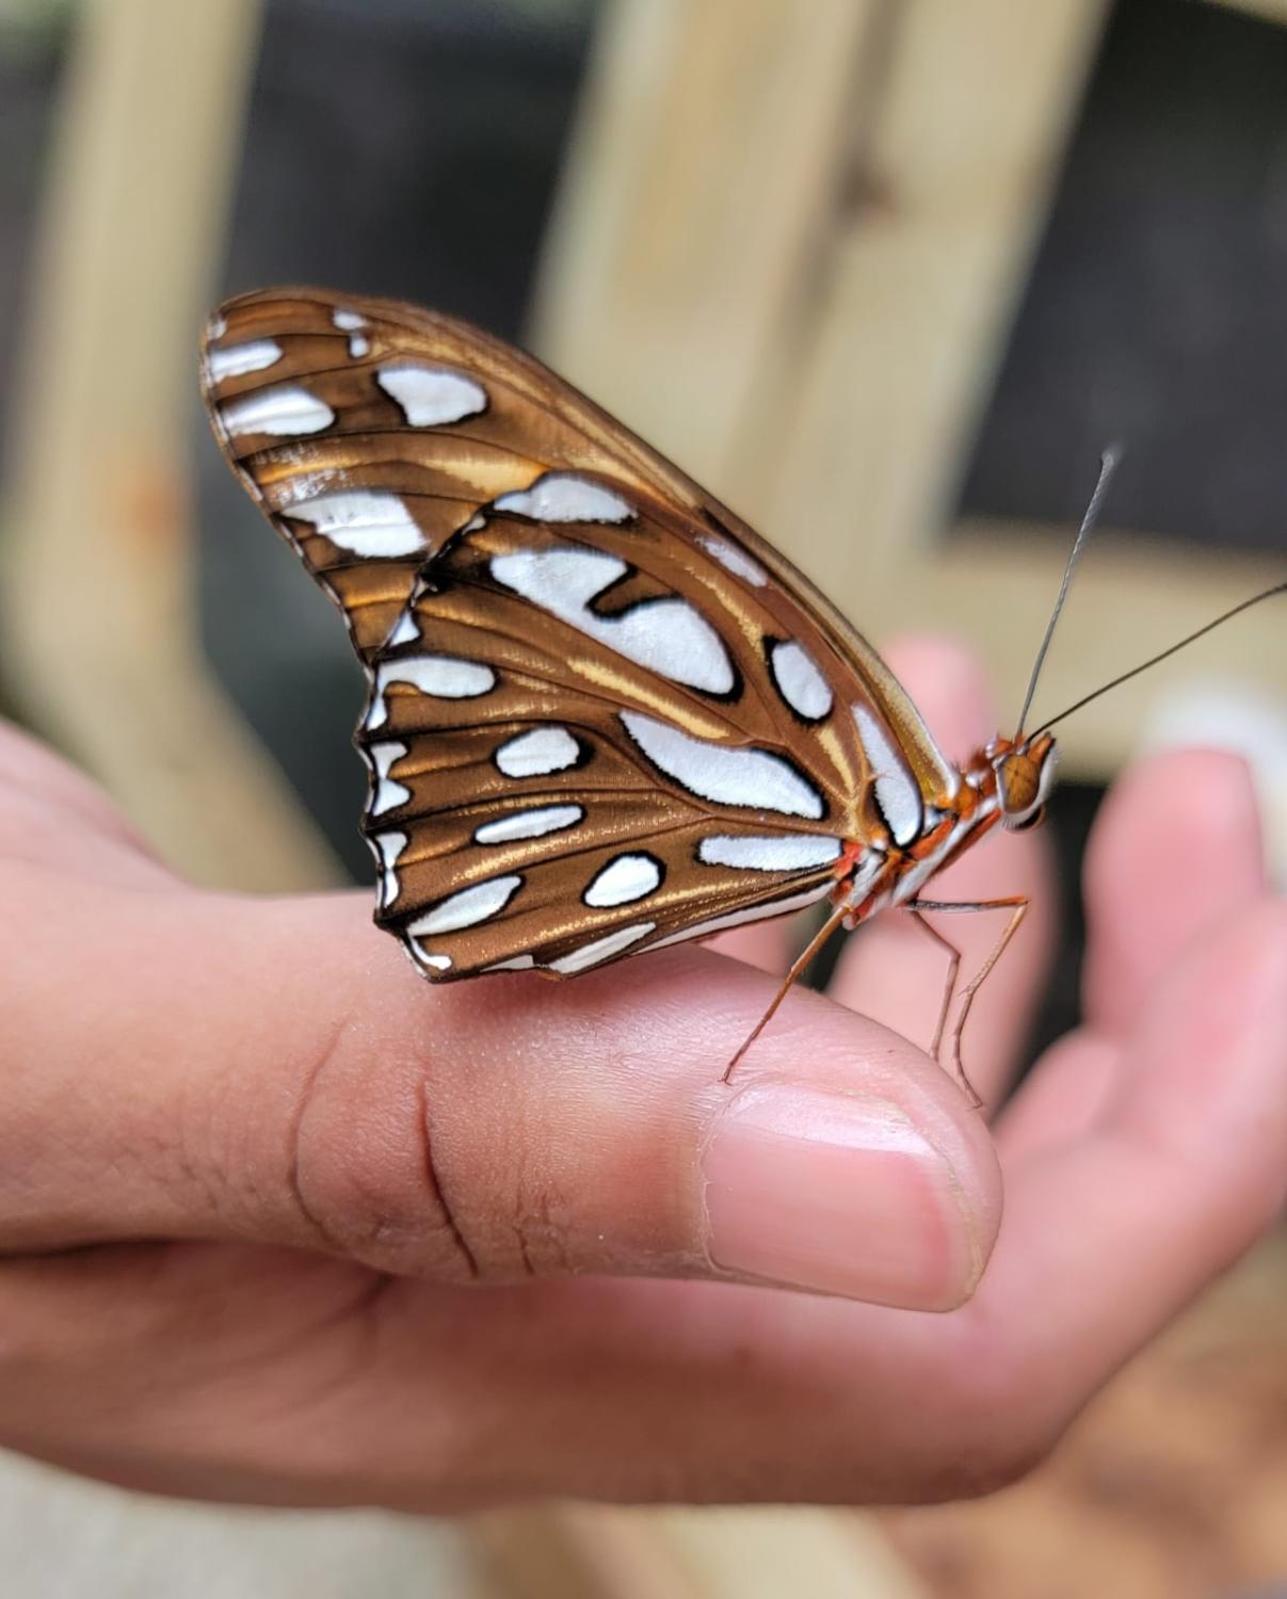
(1034, 818)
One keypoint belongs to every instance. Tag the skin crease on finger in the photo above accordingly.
(203, 1373)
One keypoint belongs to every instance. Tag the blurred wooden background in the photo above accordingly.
(790, 254)
(803, 298)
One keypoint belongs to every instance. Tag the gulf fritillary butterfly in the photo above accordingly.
(604, 715)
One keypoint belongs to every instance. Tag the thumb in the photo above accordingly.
(274, 1070)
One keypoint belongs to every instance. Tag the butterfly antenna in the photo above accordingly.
(1107, 466)
(802, 960)
(1171, 649)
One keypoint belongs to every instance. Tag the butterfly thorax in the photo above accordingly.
(1006, 782)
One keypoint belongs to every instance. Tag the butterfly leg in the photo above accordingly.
(1017, 905)
(797, 970)
(953, 971)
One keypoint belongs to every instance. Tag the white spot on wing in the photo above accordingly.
(368, 522)
(467, 908)
(627, 878)
(301, 486)
(749, 913)
(752, 778)
(897, 794)
(350, 322)
(538, 753)
(439, 963)
(529, 824)
(388, 794)
(564, 497)
(665, 635)
(442, 676)
(799, 681)
(602, 949)
(235, 360)
(388, 846)
(407, 630)
(736, 561)
(284, 410)
(431, 396)
(516, 963)
(783, 853)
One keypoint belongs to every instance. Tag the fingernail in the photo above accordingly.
(838, 1193)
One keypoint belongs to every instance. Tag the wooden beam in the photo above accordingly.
(98, 632)
(701, 175)
(604, 1552)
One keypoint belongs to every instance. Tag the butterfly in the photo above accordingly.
(604, 716)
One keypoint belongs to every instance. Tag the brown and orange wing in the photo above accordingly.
(313, 394)
(604, 715)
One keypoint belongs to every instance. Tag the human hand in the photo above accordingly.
(281, 1223)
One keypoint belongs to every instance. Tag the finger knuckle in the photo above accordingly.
(364, 1166)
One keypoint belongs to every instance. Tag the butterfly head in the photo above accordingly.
(1025, 774)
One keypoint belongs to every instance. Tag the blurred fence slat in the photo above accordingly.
(710, 140)
(603, 1552)
(974, 108)
(98, 637)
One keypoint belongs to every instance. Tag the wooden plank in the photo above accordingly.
(99, 632)
(710, 142)
(975, 107)
(604, 1552)
(765, 1553)
(581, 1552)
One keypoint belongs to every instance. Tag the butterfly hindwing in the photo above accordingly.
(540, 878)
(563, 741)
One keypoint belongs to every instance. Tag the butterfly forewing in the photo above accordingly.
(604, 715)
(315, 397)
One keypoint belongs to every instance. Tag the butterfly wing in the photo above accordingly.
(604, 714)
(401, 423)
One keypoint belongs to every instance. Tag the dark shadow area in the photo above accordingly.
(1156, 313)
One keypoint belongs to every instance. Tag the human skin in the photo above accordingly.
(282, 1223)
